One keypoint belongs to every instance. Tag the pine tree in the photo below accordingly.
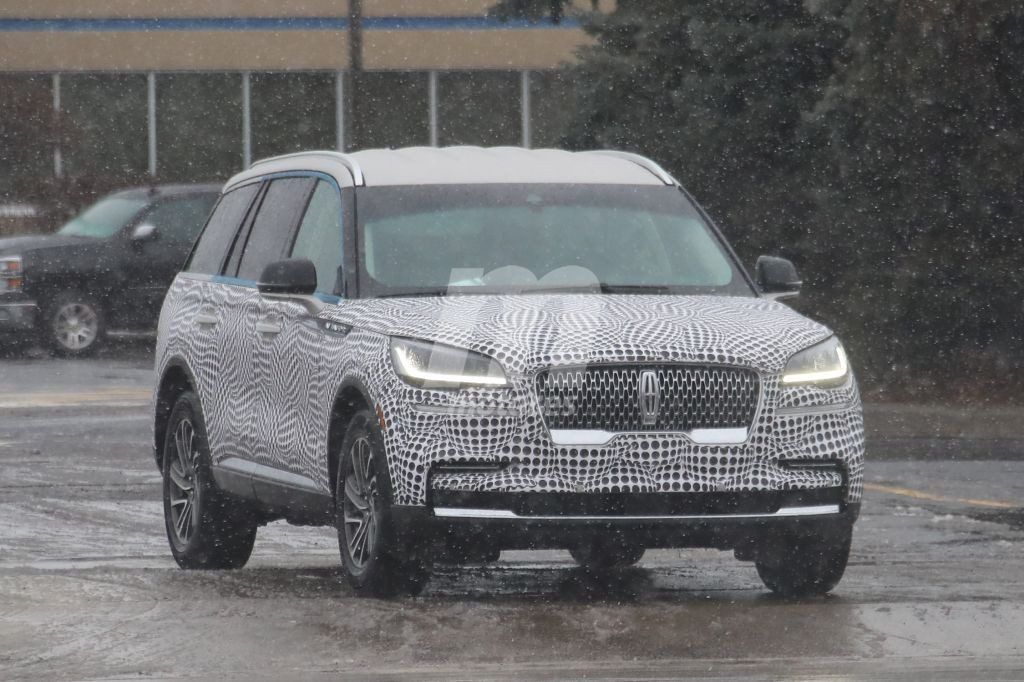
(925, 131)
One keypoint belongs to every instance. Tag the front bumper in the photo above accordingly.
(17, 315)
(498, 442)
(553, 521)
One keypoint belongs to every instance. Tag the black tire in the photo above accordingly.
(207, 528)
(73, 324)
(374, 563)
(602, 555)
(805, 566)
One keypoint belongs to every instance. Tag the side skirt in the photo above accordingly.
(280, 493)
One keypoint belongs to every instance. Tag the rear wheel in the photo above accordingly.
(74, 324)
(805, 566)
(206, 527)
(602, 555)
(373, 562)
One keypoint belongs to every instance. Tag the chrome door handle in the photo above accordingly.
(268, 326)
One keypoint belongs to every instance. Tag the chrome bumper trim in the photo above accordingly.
(599, 437)
(458, 513)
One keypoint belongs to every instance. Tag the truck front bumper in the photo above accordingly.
(17, 315)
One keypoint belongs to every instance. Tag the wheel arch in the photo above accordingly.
(351, 397)
(175, 380)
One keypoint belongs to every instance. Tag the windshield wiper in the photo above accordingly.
(634, 288)
(512, 289)
(412, 294)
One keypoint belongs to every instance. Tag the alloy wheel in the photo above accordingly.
(76, 326)
(361, 504)
(182, 474)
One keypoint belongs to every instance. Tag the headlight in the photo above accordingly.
(11, 276)
(822, 365)
(432, 365)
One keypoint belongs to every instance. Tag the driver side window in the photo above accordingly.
(180, 220)
(319, 237)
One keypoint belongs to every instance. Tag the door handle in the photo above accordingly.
(205, 319)
(268, 326)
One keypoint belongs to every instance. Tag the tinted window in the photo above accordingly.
(179, 220)
(273, 228)
(506, 238)
(220, 231)
(319, 237)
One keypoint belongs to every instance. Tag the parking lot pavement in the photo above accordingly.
(88, 588)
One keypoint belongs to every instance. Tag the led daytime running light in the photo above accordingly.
(818, 377)
(410, 368)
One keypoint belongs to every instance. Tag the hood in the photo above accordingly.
(525, 332)
(11, 246)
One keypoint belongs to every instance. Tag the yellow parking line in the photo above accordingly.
(112, 397)
(920, 495)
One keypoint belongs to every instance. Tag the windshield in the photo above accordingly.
(104, 218)
(538, 238)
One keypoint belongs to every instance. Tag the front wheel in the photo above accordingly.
(805, 566)
(206, 527)
(374, 563)
(74, 324)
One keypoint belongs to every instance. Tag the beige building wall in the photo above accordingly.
(62, 9)
(28, 46)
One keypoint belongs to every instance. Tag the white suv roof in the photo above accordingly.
(467, 165)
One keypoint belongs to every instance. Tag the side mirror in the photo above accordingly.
(294, 276)
(777, 277)
(144, 232)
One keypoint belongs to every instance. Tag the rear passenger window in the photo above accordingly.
(208, 255)
(319, 237)
(274, 225)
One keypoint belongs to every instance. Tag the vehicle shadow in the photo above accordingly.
(517, 585)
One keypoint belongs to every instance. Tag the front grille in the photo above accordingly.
(608, 397)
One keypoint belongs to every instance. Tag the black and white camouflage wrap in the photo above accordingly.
(268, 400)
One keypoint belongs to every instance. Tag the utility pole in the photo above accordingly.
(355, 71)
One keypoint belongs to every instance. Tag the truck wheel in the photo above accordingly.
(74, 324)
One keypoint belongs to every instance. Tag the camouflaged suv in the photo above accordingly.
(445, 353)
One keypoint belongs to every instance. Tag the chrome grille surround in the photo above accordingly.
(608, 397)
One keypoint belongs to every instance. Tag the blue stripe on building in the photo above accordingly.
(84, 25)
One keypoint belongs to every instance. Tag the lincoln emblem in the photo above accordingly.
(650, 397)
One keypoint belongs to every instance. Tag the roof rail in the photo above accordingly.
(344, 159)
(639, 160)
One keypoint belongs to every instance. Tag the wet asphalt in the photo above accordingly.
(88, 589)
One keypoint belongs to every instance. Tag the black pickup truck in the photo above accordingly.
(106, 269)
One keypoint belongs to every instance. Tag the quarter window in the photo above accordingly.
(208, 254)
(319, 237)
